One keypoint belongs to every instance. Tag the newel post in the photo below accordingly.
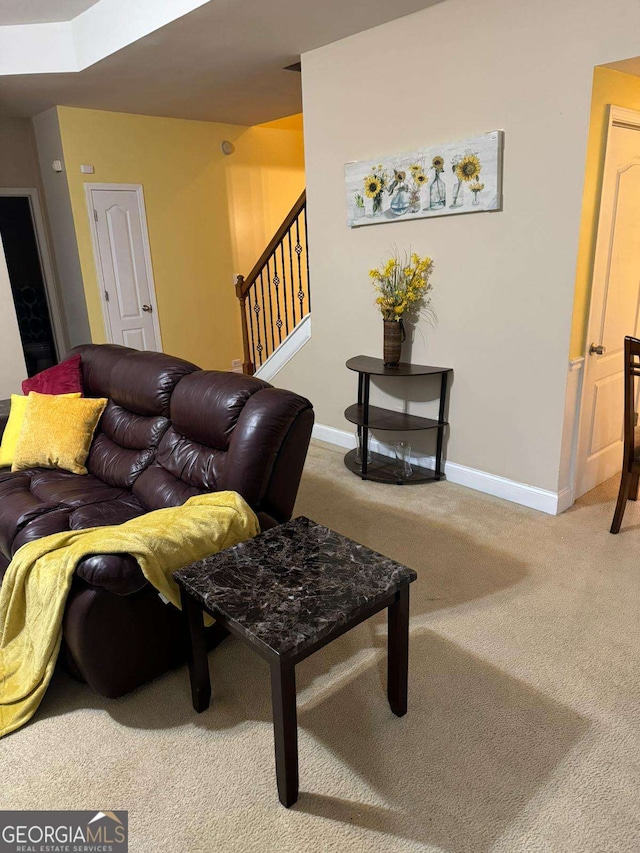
(247, 366)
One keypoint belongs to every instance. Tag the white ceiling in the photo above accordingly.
(41, 11)
(222, 62)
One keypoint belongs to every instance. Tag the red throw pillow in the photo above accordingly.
(63, 378)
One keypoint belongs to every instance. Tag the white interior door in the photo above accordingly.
(615, 298)
(123, 262)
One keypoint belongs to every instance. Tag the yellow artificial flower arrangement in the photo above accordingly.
(402, 285)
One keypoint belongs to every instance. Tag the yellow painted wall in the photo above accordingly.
(209, 215)
(264, 179)
(621, 90)
(289, 123)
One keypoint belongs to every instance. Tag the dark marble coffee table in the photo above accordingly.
(287, 593)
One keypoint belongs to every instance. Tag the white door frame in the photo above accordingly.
(58, 326)
(617, 116)
(137, 188)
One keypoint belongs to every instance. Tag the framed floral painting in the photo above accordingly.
(456, 177)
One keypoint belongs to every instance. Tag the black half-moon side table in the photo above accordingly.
(380, 468)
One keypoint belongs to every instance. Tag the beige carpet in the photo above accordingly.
(523, 731)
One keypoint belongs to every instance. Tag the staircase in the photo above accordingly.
(275, 300)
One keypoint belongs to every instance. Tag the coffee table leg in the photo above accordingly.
(285, 730)
(398, 652)
(198, 662)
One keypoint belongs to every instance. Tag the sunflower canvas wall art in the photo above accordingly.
(438, 180)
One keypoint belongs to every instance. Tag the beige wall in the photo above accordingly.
(504, 281)
(56, 192)
(18, 168)
(12, 366)
(18, 161)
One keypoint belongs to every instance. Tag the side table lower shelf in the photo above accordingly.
(380, 470)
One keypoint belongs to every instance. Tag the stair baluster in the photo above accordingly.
(269, 293)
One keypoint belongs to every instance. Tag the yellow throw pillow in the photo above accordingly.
(57, 432)
(14, 425)
(12, 429)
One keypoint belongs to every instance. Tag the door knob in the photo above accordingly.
(147, 308)
(597, 349)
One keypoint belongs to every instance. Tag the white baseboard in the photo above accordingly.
(292, 344)
(552, 503)
(565, 499)
(339, 437)
(501, 487)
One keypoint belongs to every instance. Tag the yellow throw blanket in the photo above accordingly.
(37, 581)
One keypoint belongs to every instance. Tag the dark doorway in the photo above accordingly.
(27, 283)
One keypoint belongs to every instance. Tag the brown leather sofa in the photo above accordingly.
(170, 431)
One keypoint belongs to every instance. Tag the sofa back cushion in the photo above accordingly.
(206, 406)
(125, 446)
(205, 409)
(139, 386)
(226, 432)
(96, 363)
(143, 382)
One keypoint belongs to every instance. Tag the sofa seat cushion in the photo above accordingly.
(157, 488)
(37, 526)
(71, 490)
(39, 502)
(105, 513)
(18, 507)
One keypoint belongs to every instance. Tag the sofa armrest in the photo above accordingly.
(267, 451)
(282, 488)
(119, 574)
